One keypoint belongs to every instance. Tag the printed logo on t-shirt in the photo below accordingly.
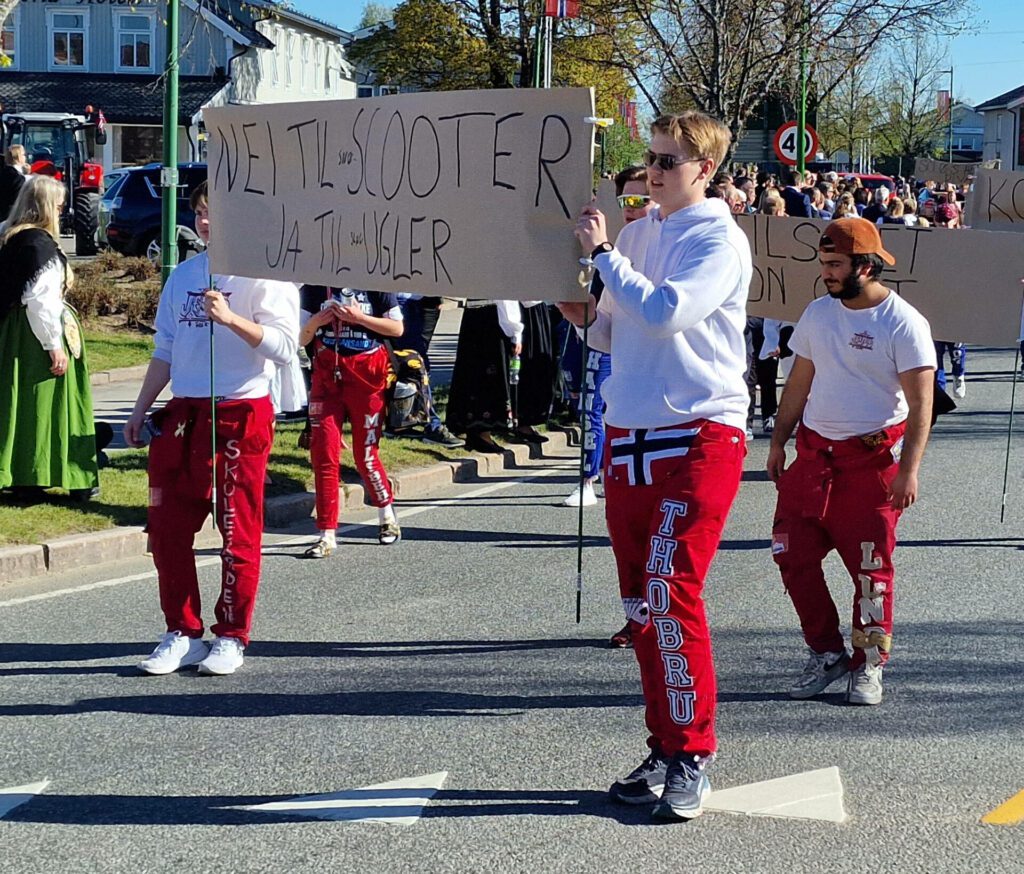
(863, 340)
(192, 312)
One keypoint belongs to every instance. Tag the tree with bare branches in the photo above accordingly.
(724, 56)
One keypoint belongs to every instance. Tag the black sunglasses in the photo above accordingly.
(667, 162)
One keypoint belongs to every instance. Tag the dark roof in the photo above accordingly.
(124, 99)
(238, 15)
(1002, 100)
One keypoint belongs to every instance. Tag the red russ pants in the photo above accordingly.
(179, 503)
(668, 494)
(357, 395)
(834, 496)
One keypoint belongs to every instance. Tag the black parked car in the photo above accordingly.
(133, 220)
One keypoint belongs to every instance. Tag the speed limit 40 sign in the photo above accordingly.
(785, 143)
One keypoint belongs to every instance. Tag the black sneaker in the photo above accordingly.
(442, 437)
(643, 785)
(686, 787)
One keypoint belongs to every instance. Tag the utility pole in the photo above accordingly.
(801, 142)
(537, 43)
(169, 170)
(951, 113)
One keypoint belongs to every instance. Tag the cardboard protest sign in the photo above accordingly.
(946, 171)
(997, 201)
(606, 202)
(965, 282)
(465, 194)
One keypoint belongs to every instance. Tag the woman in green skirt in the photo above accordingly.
(47, 434)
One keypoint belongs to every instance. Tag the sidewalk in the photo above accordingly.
(113, 400)
(114, 392)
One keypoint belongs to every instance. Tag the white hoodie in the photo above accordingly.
(672, 317)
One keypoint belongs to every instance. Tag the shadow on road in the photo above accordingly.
(105, 810)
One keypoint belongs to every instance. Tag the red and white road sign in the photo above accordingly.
(785, 143)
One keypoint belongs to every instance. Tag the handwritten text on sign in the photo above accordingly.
(965, 282)
(467, 194)
(996, 202)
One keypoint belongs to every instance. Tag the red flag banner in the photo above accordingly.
(943, 106)
(562, 8)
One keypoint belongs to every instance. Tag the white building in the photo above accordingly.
(1004, 130)
(67, 54)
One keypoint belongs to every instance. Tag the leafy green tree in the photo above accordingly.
(375, 13)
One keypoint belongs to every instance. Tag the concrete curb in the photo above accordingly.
(118, 374)
(85, 550)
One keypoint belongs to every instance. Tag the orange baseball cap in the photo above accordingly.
(854, 236)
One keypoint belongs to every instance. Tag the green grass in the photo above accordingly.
(124, 488)
(110, 349)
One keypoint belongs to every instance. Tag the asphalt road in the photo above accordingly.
(456, 651)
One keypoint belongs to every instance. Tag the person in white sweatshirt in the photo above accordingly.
(672, 317)
(255, 329)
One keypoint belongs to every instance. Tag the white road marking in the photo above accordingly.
(399, 802)
(809, 795)
(15, 796)
(292, 541)
(102, 584)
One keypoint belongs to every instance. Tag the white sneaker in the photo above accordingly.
(174, 651)
(225, 657)
(960, 389)
(865, 686)
(587, 495)
(822, 669)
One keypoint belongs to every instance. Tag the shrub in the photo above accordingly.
(112, 285)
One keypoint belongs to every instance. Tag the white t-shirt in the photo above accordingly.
(858, 356)
(183, 332)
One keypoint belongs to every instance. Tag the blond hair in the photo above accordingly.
(771, 204)
(700, 135)
(38, 205)
(15, 155)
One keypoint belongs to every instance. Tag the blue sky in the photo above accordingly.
(984, 65)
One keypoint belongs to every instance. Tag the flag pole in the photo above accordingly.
(584, 355)
(1009, 432)
(213, 424)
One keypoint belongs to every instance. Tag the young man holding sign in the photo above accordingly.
(672, 317)
(861, 389)
(255, 323)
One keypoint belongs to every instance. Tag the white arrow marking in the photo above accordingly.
(810, 795)
(16, 796)
(400, 802)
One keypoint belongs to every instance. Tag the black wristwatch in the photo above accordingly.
(600, 250)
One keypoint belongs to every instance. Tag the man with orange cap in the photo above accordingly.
(861, 391)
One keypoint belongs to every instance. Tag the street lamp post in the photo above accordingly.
(949, 115)
(801, 128)
(169, 170)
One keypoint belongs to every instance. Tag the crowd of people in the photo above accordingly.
(661, 364)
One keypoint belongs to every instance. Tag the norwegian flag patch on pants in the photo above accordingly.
(668, 493)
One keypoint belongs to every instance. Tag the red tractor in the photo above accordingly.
(56, 145)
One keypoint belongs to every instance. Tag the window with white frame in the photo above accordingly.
(333, 72)
(69, 43)
(135, 38)
(321, 83)
(305, 73)
(9, 39)
(387, 90)
(288, 55)
(272, 71)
